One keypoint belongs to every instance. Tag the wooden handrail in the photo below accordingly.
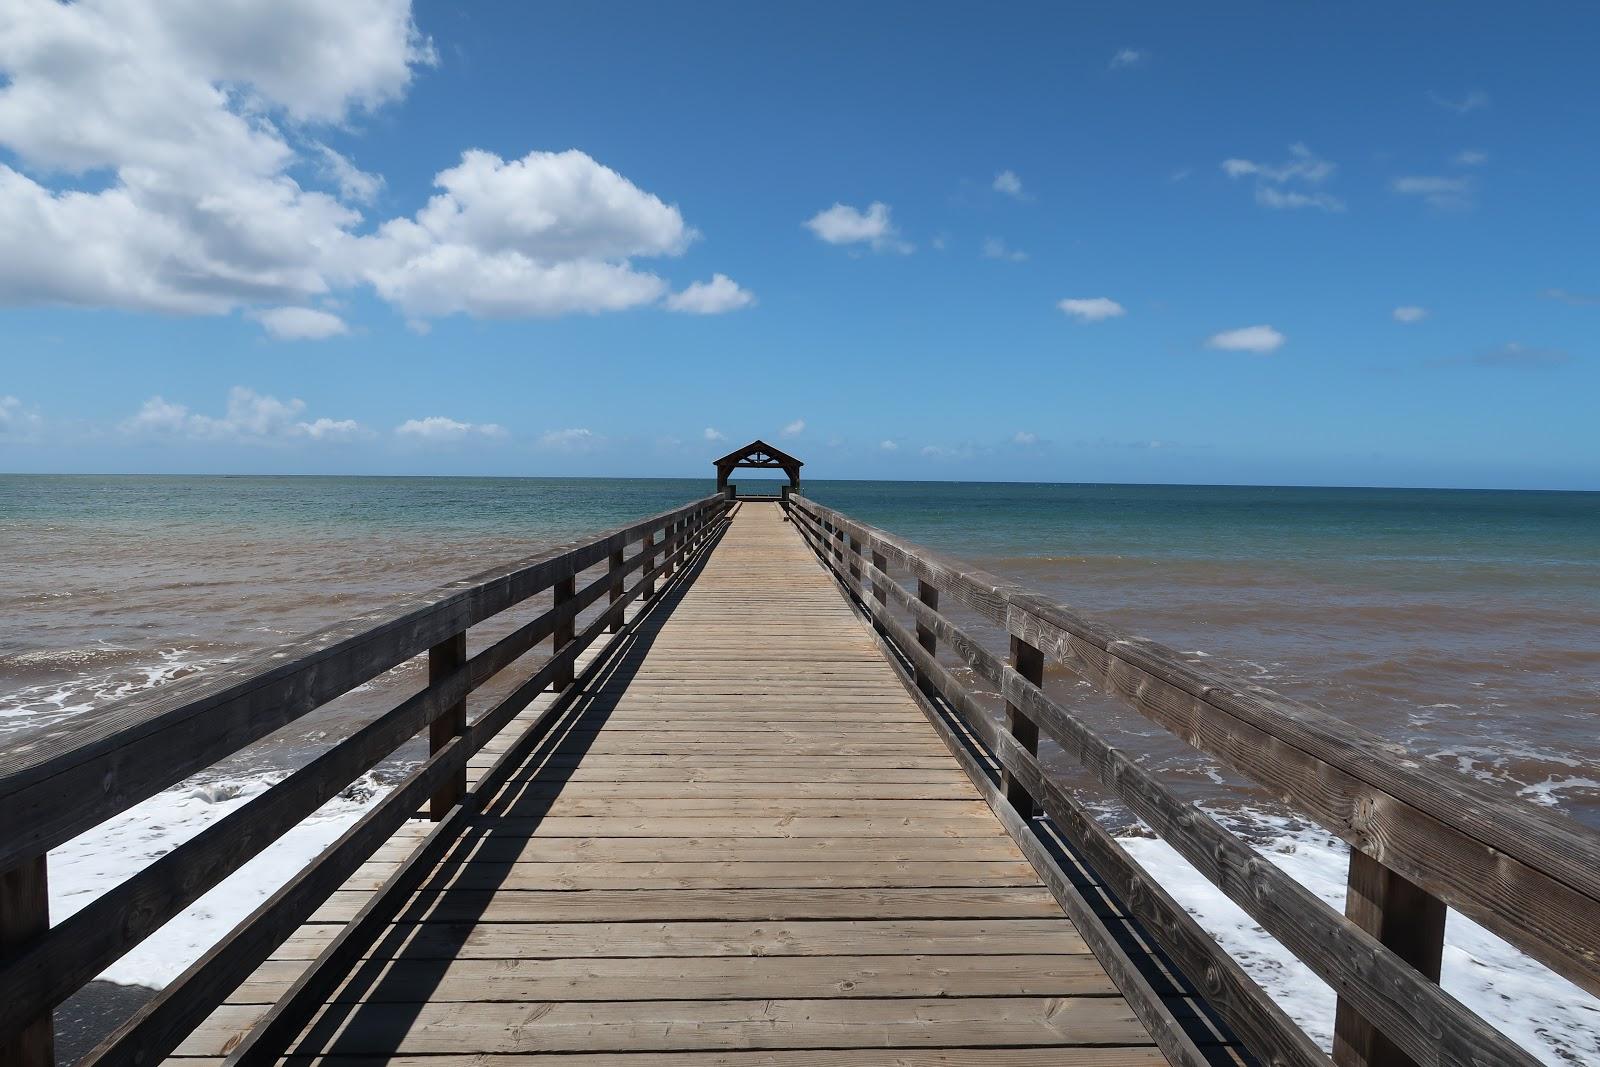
(1525, 873)
(198, 723)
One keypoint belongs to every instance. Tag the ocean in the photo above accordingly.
(1462, 624)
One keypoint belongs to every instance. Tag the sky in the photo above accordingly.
(1262, 243)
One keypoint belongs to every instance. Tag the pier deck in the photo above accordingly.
(745, 845)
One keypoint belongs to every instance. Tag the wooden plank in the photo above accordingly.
(723, 1024)
(1051, 1056)
(499, 905)
(699, 874)
(885, 937)
(24, 916)
(701, 978)
(724, 849)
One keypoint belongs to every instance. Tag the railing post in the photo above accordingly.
(443, 660)
(929, 595)
(1028, 662)
(615, 594)
(24, 915)
(1409, 921)
(563, 633)
(879, 593)
(648, 550)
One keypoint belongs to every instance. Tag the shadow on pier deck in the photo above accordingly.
(749, 813)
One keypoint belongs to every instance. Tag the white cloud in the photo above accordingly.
(794, 428)
(1008, 183)
(1567, 296)
(994, 248)
(1262, 340)
(441, 430)
(842, 224)
(946, 452)
(1462, 105)
(1128, 57)
(718, 295)
(355, 185)
(1470, 158)
(163, 156)
(1446, 193)
(714, 434)
(1303, 168)
(1023, 437)
(1410, 313)
(575, 439)
(300, 324)
(251, 418)
(18, 424)
(889, 446)
(1092, 308)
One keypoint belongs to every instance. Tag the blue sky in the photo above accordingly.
(1349, 244)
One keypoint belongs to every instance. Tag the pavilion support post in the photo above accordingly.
(1409, 921)
(929, 595)
(564, 631)
(445, 659)
(1027, 661)
(24, 915)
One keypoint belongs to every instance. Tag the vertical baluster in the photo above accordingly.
(563, 633)
(855, 559)
(1410, 922)
(24, 915)
(444, 659)
(929, 595)
(615, 593)
(648, 550)
(1028, 662)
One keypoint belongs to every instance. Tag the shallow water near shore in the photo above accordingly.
(1461, 624)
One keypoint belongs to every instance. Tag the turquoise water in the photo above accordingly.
(1463, 624)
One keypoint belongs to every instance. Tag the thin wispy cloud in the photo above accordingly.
(1444, 192)
(714, 434)
(995, 248)
(794, 429)
(1470, 157)
(440, 429)
(888, 446)
(842, 224)
(1091, 308)
(1124, 58)
(1293, 183)
(1566, 296)
(19, 423)
(1512, 355)
(1409, 313)
(1024, 438)
(1260, 340)
(572, 439)
(1466, 104)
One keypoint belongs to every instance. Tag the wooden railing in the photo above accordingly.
(67, 780)
(1422, 839)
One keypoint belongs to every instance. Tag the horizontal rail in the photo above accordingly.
(1531, 876)
(46, 968)
(1402, 1003)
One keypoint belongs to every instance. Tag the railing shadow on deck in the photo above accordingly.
(67, 779)
(1422, 838)
(364, 996)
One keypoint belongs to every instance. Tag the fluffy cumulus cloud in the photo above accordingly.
(995, 248)
(718, 295)
(1293, 183)
(1091, 308)
(251, 418)
(1024, 438)
(169, 155)
(887, 445)
(714, 434)
(1410, 313)
(1008, 183)
(437, 429)
(1262, 340)
(573, 439)
(842, 224)
(300, 324)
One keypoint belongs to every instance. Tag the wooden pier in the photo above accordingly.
(752, 810)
